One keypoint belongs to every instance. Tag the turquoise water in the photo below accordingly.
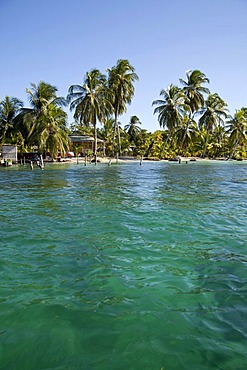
(124, 267)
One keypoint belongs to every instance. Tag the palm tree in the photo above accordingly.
(105, 133)
(9, 109)
(237, 127)
(194, 90)
(54, 135)
(132, 128)
(212, 116)
(170, 109)
(89, 101)
(194, 98)
(31, 121)
(186, 133)
(42, 95)
(121, 80)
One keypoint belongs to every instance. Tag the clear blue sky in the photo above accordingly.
(57, 41)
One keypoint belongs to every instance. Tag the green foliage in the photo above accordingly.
(237, 128)
(44, 124)
(89, 101)
(207, 135)
(9, 109)
(120, 85)
(194, 121)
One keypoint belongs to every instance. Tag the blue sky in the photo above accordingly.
(57, 41)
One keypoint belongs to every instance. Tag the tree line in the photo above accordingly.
(193, 121)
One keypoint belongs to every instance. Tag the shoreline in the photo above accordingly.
(109, 161)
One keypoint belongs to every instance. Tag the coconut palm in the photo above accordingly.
(193, 90)
(31, 121)
(54, 134)
(185, 134)
(121, 80)
(9, 109)
(89, 101)
(42, 95)
(194, 100)
(212, 115)
(170, 109)
(237, 128)
(105, 133)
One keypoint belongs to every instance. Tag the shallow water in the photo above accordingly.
(124, 267)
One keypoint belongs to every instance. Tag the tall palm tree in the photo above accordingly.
(237, 128)
(9, 109)
(170, 110)
(194, 90)
(121, 80)
(212, 115)
(194, 97)
(89, 101)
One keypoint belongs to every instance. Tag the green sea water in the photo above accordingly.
(125, 267)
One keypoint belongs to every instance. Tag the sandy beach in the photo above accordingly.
(108, 160)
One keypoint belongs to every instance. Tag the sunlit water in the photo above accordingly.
(124, 267)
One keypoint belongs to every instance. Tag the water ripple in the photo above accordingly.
(142, 265)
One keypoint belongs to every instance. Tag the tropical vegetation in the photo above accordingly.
(193, 120)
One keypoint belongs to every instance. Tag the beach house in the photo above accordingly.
(85, 144)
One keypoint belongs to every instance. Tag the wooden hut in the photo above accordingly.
(85, 144)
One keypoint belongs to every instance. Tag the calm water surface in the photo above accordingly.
(125, 267)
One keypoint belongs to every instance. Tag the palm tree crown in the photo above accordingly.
(121, 83)
(214, 112)
(33, 122)
(87, 100)
(42, 95)
(132, 127)
(194, 90)
(212, 116)
(171, 108)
